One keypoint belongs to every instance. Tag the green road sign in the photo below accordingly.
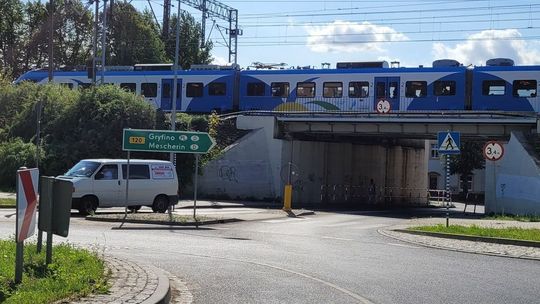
(167, 141)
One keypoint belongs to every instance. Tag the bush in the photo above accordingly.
(13, 155)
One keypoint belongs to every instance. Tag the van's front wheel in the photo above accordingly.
(88, 205)
(161, 203)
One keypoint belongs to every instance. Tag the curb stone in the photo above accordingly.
(153, 222)
(492, 249)
(131, 283)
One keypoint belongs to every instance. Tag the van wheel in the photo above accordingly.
(161, 203)
(88, 205)
(134, 208)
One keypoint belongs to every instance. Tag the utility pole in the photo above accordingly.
(94, 48)
(166, 18)
(103, 41)
(51, 40)
(203, 23)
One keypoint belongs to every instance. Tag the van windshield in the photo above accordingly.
(83, 168)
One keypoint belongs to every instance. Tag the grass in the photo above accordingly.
(507, 233)
(509, 217)
(7, 202)
(73, 273)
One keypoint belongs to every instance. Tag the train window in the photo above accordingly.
(280, 89)
(524, 88)
(332, 90)
(84, 85)
(255, 89)
(149, 89)
(67, 84)
(305, 89)
(415, 89)
(358, 89)
(444, 88)
(393, 90)
(131, 87)
(493, 87)
(194, 89)
(217, 88)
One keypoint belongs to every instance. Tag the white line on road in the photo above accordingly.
(336, 238)
(285, 220)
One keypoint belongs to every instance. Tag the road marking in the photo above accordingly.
(353, 295)
(403, 245)
(336, 238)
(285, 220)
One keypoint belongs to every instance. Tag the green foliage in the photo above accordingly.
(507, 233)
(13, 155)
(93, 127)
(134, 37)
(73, 273)
(190, 51)
(510, 217)
(7, 202)
(468, 160)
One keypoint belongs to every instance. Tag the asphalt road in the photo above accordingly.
(325, 258)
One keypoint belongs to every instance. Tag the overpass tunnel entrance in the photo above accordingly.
(356, 171)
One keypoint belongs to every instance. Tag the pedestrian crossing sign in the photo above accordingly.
(449, 142)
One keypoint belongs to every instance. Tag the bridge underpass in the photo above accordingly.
(347, 152)
(335, 157)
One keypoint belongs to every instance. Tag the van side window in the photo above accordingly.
(107, 172)
(136, 171)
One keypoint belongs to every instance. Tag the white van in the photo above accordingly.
(102, 183)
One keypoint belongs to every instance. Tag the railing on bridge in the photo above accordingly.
(359, 194)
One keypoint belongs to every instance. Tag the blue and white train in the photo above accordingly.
(352, 86)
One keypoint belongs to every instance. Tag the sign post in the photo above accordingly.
(449, 143)
(493, 151)
(25, 219)
(169, 141)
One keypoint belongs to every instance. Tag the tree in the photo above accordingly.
(468, 160)
(134, 37)
(190, 51)
(10, 33)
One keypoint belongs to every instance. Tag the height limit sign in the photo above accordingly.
(493, 151)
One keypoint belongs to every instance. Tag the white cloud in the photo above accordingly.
(344, 36)
(488, 44)
(219, 60)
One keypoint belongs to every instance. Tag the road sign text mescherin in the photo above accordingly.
(167, 141)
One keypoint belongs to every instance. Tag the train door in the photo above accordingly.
(387, 88)
(166, 94)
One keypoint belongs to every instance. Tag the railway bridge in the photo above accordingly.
(333, 158)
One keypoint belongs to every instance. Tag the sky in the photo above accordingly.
(413, 33)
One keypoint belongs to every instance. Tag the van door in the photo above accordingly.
(107, 186)
(387, 88)
(141, 190)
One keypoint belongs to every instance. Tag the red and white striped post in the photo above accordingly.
(27, 186)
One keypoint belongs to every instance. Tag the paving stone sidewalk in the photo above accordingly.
(130, 283)
(463, 245)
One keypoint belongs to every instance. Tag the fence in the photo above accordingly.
(359, 194)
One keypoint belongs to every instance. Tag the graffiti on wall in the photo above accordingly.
(228, 173)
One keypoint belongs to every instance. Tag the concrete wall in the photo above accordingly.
(248, 169)
(513, 183)
(334, 173)
(257, 167)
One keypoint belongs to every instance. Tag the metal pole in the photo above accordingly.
(127, 183)
(51, 40)
(19, 252)
(175, 81)
(48, 253)
(38, 141)
(447, 189)
(195, 188)
(103, 39)
(94, 48)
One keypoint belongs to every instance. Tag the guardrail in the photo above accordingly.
(345, 194)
